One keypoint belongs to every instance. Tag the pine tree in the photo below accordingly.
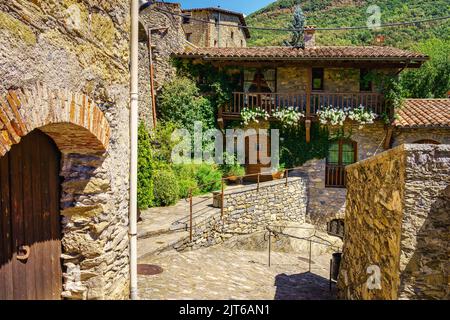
(298, 23)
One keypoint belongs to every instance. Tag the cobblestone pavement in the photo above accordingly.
(218, 273)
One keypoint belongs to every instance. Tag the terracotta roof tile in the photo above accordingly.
(330, 52)
(417, 113)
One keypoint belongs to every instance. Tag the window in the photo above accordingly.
(317, 78)
(242, 43)
(340, 154)
(336, 228)
(215, 43)
(186, 19)
(260, 80)
(188, 36)
(364, 82)
(232, 35)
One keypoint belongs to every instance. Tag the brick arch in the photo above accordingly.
(73, 121)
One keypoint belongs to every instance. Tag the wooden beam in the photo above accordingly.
(388, 138)
(308, 130)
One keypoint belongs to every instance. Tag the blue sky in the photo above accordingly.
(244, 6)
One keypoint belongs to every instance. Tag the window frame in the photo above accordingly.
(363, 72)
(340, 165)
(322, 77)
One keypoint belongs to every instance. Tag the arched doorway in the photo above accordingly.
(30, 236)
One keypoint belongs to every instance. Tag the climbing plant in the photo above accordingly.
(294, 150)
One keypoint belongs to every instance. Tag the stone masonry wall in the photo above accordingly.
(80, 48)
(165, 43)
(373, 220)
(250, 210)
(424, 258)
(207, 35)
(325, 203)
(397, 219)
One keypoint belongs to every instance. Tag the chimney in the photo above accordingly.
(310, 36)
(379, 40)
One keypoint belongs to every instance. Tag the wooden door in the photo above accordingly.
(30, 241)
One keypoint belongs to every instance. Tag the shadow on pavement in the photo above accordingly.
(303, 286)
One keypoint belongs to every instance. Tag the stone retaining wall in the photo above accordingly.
(397, 220)
(250, 210)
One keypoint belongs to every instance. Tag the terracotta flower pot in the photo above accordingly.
(278, 175)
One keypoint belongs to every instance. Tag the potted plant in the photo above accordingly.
(235, 173)
(279, 172)
(231, 169)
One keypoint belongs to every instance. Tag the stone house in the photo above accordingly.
(273, 78)
(165, 28)
(64, 149)
(222, 31)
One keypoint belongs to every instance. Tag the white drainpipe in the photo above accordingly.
(134, 118)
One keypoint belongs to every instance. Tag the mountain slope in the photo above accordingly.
(336, 13)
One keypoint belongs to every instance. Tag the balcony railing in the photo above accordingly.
(308, 103)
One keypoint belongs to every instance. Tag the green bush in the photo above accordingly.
(230, 167)
(162, 143)
(186, 180)
(145, 169)
(180, 102)
(208, 178)
(166, 189)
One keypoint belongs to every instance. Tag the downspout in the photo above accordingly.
(134, 117)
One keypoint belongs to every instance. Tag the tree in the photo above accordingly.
(298, 23)
(432, 80)
(181, 102)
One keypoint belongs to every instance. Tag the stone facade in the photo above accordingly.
(439, 135)
(397, 219)
(165, 42)
(211, 35)
(326, 203)
(250, 210)
(294, 79)
(54, 55)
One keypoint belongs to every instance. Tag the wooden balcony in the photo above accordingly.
(308, 103)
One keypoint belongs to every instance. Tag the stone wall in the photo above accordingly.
(402, 136)
(210, 35)
(326, 203)
(424, 258)
(397, 219)
(78, 49)
(250, 210)
(165, 41)
(293, 79)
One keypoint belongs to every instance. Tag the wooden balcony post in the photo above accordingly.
(308, 130)
(308, 93)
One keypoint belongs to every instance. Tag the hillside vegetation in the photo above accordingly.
(335, 13)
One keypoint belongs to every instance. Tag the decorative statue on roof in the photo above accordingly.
(298, 23)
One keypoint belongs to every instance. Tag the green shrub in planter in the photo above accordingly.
(166, 190)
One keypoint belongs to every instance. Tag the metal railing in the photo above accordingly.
(270, 232)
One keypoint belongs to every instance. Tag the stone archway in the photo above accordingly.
(81, 133)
